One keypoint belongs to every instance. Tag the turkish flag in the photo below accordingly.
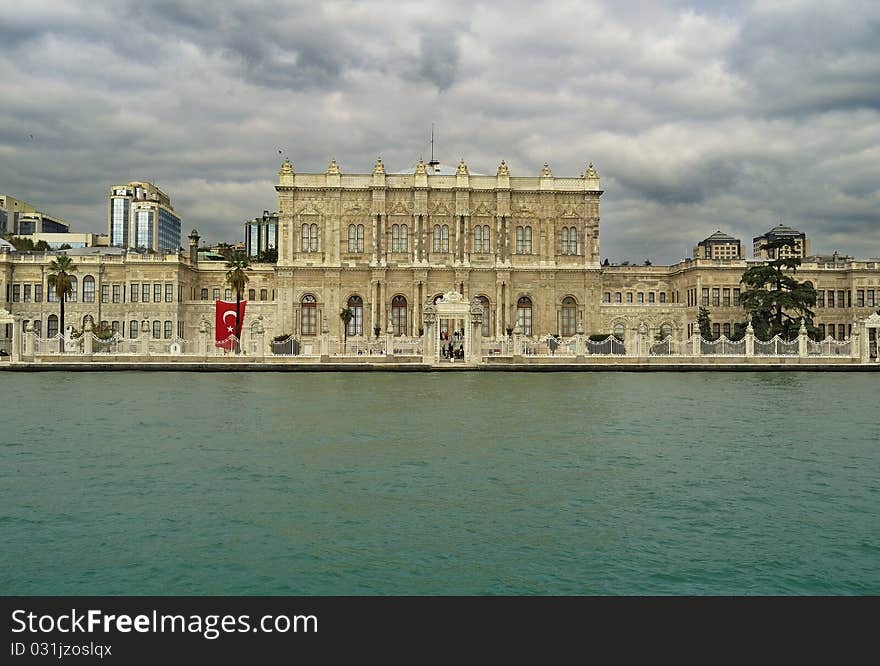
(225, 324)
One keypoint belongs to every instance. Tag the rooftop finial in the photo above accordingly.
(420, 168)
(462, 168)
(286, 168)
(333, 168)
(502, 169)
(545, 172)
(591, 172)
(379, 168)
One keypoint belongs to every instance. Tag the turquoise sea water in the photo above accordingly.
(483, 483)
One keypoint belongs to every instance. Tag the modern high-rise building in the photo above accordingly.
(141, 217)
(799, 244)
(261, 234)
(22, 219)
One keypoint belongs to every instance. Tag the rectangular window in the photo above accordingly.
(820, 298)
(629, 297)
(716, 331)
(264, 294)
(27, 293)
(849, 298)
(618, 297)
(115, 326)
(157, 329)
(169, 292)
(860, 298)
(736, 297)
(870, 298)
(606, 297)
(716, 296)
(821, 331)
(180, 330)
(705, 296)
(168, 330)
(725, 297)
(252, 294)
(830, 298)
(157, 293)
(662, 296)
(204, 294)
(641, 297)
(145, 293)
(38, 293)
(135, 292)
(105, 293)
(727, 330)
(216, 294)
(840, 299)
(651, 297)
(117, 293)
(133, 329)
(228, 295)
(16, 293)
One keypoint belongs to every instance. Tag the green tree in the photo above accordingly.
(346, 316)
(237, 278)
(42, 246)
(775, 299)
(269, 256)
(704, 324)
(60, 270)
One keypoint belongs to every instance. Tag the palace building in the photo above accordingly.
(525, 249)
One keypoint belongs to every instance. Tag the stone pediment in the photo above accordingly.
(357, 209)
(524, 211)
(482, 210)
(568, 212)
(309, 209)
(441, 209)
(400, 208)
(873, 320)
(451, 297)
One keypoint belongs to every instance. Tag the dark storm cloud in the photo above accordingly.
(699, 115)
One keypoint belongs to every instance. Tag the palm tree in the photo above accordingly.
(237, 263)
(59, 277)
(346, 316)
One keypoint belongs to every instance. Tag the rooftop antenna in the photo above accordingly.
(433, 163)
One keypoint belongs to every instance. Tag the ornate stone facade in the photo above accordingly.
(523, 249)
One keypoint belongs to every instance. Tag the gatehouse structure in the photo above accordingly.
(503, 265)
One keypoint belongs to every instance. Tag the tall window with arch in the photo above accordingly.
(441, 238)
(308, 315)
(88, 289)
(356, 323)
(309, 238)
(398, 315)
(481, 239)
(52, 326)
(568, 320)
(355, 238)
(399, 238)
(524, 240)
(569, 240)
(618, 331)
(73, 287)
(524, 314)
(484, 303)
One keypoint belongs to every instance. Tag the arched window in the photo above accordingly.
(569, 240)
(133, 329)
(313, 238)
(484, 303)
(360, 238)
(38, 327)
(404, 239)
(435, 247)
(665, 330)
(618, 331)
(88, 289)
(304, 238)
(524, 314)
(356, 323)
(444, 238)
(478, 239)
(395, 238)
(308, 315)
(523, 240)
(73, 285)
(52, 326)
(568, 322)
(352, 238)
(398, 315)
(564, 236)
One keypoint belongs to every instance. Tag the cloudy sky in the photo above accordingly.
(698, 115)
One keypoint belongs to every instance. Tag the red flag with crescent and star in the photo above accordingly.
(225, 324)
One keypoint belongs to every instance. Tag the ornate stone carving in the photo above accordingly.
(421, 169)
(502, 169)
(379, 168)
(545, 172)
(462, 169)
(591, 172)
(286, 169)
(333, 169)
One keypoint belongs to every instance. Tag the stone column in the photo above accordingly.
(145, 338)
(695, 341)
(802, 340)
(750, 340)
(29, 340)
(474, 341)
(389, 339)
(643, 339)
(203, 337)
(16, 339)
(855, 344)
(580, 344)
(88, 338)
(516, 352)
(325, 341)
(429, 341)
